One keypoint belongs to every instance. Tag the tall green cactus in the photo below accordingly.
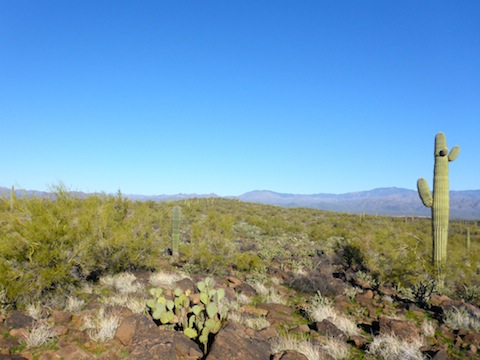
(440, 202)
(468, 239)
(176, 217)
(13, 198)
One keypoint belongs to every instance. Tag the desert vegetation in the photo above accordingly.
(61, 253)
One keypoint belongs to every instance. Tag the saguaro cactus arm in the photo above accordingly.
(454, 153)
(424, 192)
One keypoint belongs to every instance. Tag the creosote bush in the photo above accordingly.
(50, 245)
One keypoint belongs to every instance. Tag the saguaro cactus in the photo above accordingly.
(440, 201)
(176, 216)
(468, 239)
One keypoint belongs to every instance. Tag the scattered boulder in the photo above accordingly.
(185, 284)
(245, 289)
(359, 341)
(289, 355)
(61, 317)
(18, 320)
(68, 352)
(327, 328)
(126, 330)
(403, 329)
(278, 313)
(7, 343)
(473, 338)
(151, 343)
(234, 342)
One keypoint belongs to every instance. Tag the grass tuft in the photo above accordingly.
(124, 283)
(462, 318)
(39, 334)
(389, 347)
(252, 322)
(322, 309)
(161, 279)
(332, 348)
(74, 304)
(102, 326)
(268, 294)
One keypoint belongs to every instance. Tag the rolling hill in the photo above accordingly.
(389, 201)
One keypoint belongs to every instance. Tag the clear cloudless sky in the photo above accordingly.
(225, 97)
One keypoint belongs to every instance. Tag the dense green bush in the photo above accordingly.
(48, 245)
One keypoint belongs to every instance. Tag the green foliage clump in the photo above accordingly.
(199, 320)
(247, 261)
(53, 244)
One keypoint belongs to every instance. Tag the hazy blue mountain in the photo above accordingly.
(383, 201)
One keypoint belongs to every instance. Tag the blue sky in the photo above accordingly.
(164, 97)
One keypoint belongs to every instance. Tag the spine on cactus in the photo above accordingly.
(440, 201)
(176, 216)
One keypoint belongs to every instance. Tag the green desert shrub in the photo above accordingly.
(49, 245)
(247, 261)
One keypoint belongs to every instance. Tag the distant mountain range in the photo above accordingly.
(390, 201)
(383, 201)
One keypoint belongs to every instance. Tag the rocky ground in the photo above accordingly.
(270, 322)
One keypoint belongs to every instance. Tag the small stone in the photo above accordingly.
(368, 294)
(126, 331)
(61, 317)
(59, 330)
(440, 355)
(233, 281)
(19, 333)
(327, 328)
(302, 328)
(17, 320)
(293, 355)
(253, 310)
(268, 333)
(233, 343)
(71, 352)
(405, 330)
(245, 289)
(185, 284)
(358, 341)
(473, 338)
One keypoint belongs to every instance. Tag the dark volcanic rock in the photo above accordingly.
(327, 328)
(152, 343)
(405, 330)
(245, 289)
(234, 343)
(289, 355)
(18, 320)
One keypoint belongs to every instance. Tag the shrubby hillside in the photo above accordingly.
(51, 249)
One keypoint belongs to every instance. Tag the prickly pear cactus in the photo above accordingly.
(197, 316)
(439, 202)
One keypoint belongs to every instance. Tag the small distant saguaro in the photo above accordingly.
(176, 217)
